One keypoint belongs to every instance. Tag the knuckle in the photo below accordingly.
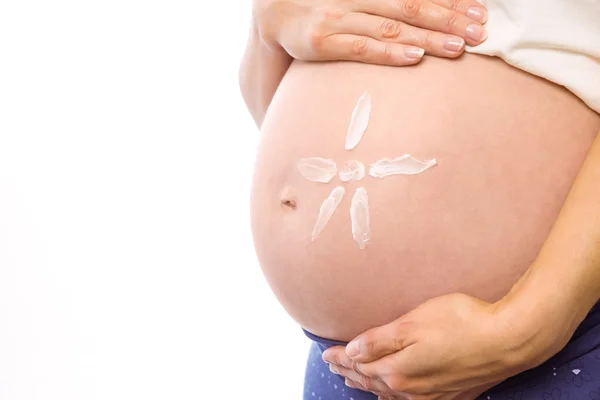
(330, 14)
(453, 20)
(355, 367)
(398, 343)
(388, 56)
(366, 383)
(402, 332)
(390, 29)
(410, 8)
(368, 342)
(345, 362)
(360, 46)
(396, 383)
(316, 39)
(455, 5)
(423, 40)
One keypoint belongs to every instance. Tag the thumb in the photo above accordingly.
(379, 342)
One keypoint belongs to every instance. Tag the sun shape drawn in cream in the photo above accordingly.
(323, 170)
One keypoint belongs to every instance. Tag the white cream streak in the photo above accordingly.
(317, 169)
(405, 165)
(359, 215)
(359, 121)
(327, 209)
(352, 170)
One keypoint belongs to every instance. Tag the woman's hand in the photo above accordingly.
(388, 32)
(450, 347)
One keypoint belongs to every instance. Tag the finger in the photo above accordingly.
(474, 9)
(355, 385)
(334, 355)
(390, 397)
(397, 396)
(425, 14)
(379, 342)
(337, 357)
(364, 382)
(367, 50)
(339, 360)
(388, 30)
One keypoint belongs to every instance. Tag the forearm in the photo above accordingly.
(571, 255)
(261, 71)
(564, 281)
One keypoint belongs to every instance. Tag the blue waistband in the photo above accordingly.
(323, 341)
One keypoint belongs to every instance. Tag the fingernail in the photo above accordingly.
(353, 348)
(324, 356)
(454, 44)
(414, 52)
(350, 384)
(476, 32)
(334, 369)
(475, 13)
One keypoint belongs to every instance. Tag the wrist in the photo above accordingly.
(537, 318)
(263, 43)
(565, 297)
(265, 35)
(261, 70)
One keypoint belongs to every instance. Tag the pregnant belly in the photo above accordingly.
(508, 147)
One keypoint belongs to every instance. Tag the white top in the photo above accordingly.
(555, 39)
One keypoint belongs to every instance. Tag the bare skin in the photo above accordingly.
(387, 32)
(509, 146)
(454, 347)
(475, 339)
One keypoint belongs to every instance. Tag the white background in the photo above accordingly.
(127, 269)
